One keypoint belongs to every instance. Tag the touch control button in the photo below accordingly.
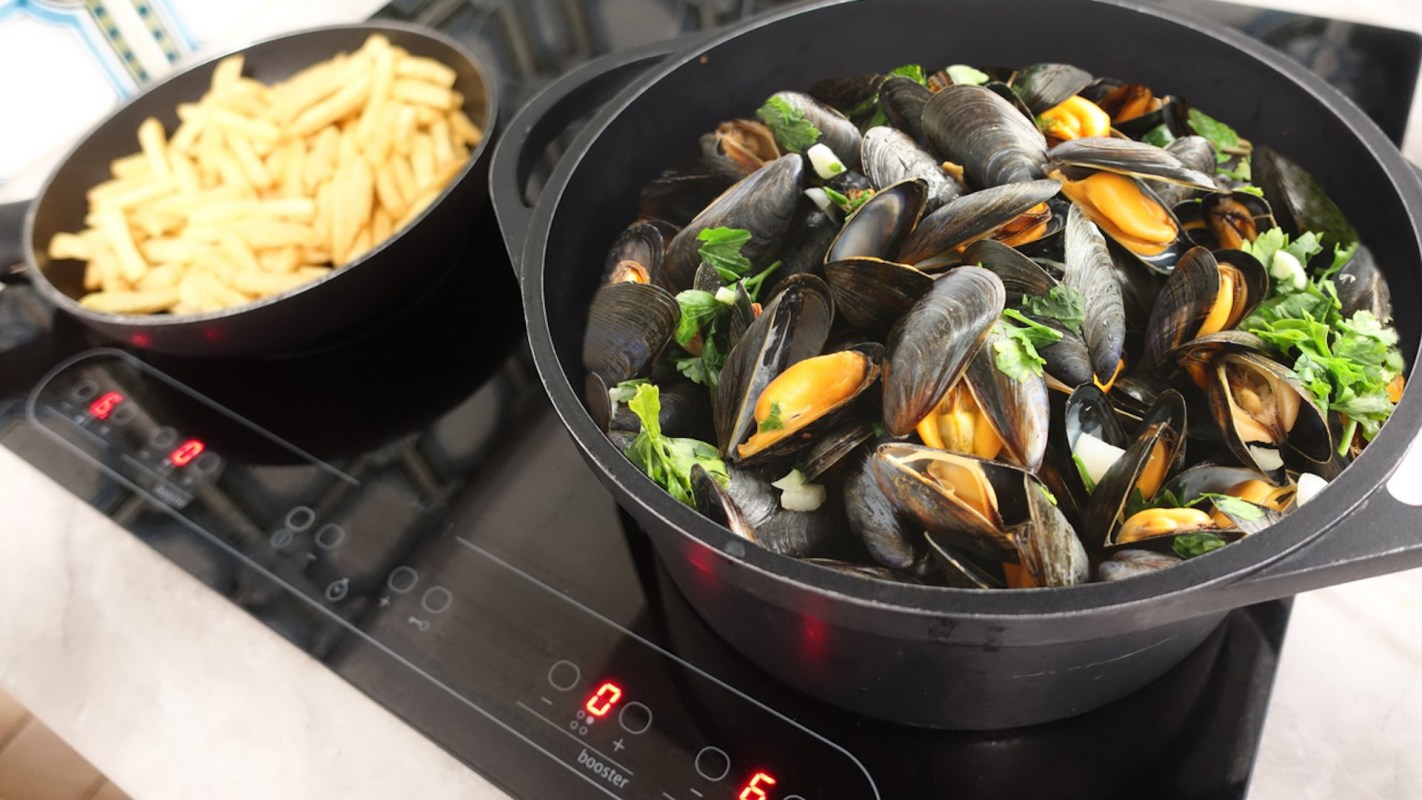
(564, 675)
(713, 764)
(402, 579)
(300, 518)
(635, 718)
(436, 600)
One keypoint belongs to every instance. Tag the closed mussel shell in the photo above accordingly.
(880, 226)
(636, 256)
(1299, 201)
(1132, 562)
(872, 517)
(1042, 86)
(1362, 287)
(763, 203)
(929, 348)
(1046, 545)
(903, 101)
(836, 131)
(802, 534)
(629, 324)
(994, 142)
(1020, 275)
(1089, 270)
(1017, 409)
(873, 294)
(889, 156)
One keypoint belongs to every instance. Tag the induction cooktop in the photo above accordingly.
(403, 504)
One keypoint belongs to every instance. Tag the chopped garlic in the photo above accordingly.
(797, 495)
(826, 163)
(1096, 455)
(1309, 485)
(1287, 270)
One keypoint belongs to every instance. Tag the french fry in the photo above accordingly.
(131, 302)
(382, 224)
(422, 159)
(440, 138)
(262, 284)
(152, 141)
(70, 245)
(236, 249)
(131, 263)
(336, 107)
(423, 94)
(233, 122)
(185, 175)
(132, 166)
(405, 179)
(427, 70)
(162, 276)
(227, 72)
(466, 130)
(279, 259)
(387, 189)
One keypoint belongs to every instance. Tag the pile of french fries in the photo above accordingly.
(263, 188)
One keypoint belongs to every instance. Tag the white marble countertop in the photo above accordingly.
(174, 693)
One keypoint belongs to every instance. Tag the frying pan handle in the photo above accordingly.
(12, 239)
(1382, 534)
(547, 116)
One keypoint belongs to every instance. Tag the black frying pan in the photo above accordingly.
(389, 273)
(937, 656)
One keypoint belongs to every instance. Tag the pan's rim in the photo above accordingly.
(65, 302)
(1155, 598)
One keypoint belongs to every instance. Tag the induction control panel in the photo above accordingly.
(534, 665)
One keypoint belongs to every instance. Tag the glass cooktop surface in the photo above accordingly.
(403, 504)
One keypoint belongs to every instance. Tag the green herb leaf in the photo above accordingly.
(712, 358)
(1015, 351)
(1222, 136)
(1135, 503)
(1234, 506)
(697, 309)
(1063, 303)
(721, 248)
(792, 130)
(1160, 135)
(1189, 545)
(962, 73)
(772, 422)
(667, 460)
(847, 204)
(913, 72)
(1254, 190)
(1085, 475)
(1241, 171)
(1047, 493)
(694, 369)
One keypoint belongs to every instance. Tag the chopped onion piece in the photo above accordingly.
(1096, 456)
(726, 295)
(823, 201)
(1308, 485)
(1266, 458)
(797, 495)
(1287, 270)
(826, 163)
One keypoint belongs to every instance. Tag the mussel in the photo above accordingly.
(1014, 214)
(1298, 200)
(1207, 293)
(1089, 270)
(629, 324)
(1140, 472)
(992, 140)
(889, 155)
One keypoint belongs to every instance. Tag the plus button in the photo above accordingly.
(618, 746)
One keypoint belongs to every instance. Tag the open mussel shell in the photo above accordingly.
(992, 140)
(1261, 407)
(873, 294)
(763, 203)
(1273, 500)
(959, 570)
(1131, 158)
(1043, 86)
(889, 155)
(930, 346)
(1089, 270)
(1362, 287)
(881, 225)
(969, 218)
(1154, 453)
(903, 101)
(873, 518)
(1017, 409)
(1135, 110)
(629, 324)
(817, 401)
(737, 148)
(1206, 294)
(793, 326)
(836, 131)
(636, 256)
(1127, 211)
(1131, 562)
(1299, 201)
(1093, 431)
(972, 503)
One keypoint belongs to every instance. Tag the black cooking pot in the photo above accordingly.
(925, 655)
(392, 272)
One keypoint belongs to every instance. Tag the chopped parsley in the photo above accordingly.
(1189, 545)
(913, 72)
(668, 460)
(698, 308)
(772, 422)
(1231, 505)
(1346, 364)
(1160, 135)
(793, 131)
(849, 204)
(1227, 145)
(1015, 351)
(721, 248)
(1065, 304)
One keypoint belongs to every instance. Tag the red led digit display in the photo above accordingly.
(184, 453)
(603, 699)
(105, 405)
(755, 790)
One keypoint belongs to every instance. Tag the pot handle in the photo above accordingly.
(548, 115)
(12, 240)
(1382, 534)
